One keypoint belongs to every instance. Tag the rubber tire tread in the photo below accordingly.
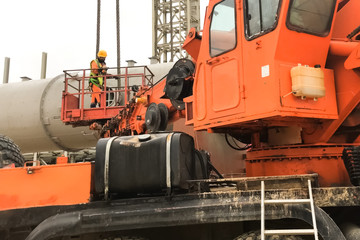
(129, 238)
(255, 235)
(10, 152)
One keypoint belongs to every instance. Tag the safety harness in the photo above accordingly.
(95, 79)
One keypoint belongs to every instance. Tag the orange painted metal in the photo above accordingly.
(322, 159)
(62, 160)
(49, 185)
(347, 19)
(131, 119)
(192, 44)
(249, 89)
(353, 61)
(153, 95)
(76, 92)
(252, 83)
(342, 47)
(348, 97)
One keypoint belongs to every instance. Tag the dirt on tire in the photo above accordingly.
(129, 238)
(10, 153)
(255, 235)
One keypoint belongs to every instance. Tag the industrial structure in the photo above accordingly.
(256, 136)
(172, 20)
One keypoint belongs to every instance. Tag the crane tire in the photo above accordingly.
(255, 235)
(10, 153)
(129, 238)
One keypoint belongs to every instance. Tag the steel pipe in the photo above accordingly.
(30, 115)
(43, 65)
(6, 70)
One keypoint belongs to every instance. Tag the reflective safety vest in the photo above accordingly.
(95, 78)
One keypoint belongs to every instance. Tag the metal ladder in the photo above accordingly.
(264, 232)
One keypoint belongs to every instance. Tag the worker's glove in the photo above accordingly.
(112, 76)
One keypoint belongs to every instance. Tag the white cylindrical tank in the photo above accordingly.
(30, 115)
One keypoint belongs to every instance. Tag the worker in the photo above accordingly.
(96, 81)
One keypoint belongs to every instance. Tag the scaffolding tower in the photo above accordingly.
(172, 20)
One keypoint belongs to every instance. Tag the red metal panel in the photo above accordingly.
(64, 184)
(325, 160)
(74, 110)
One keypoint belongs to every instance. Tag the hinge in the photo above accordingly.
(239, 4)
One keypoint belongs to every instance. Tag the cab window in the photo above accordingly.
(223, 28)
(261, 17)
(309, 16)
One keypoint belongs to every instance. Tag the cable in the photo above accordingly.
(98, 27)
(203, 169)
(353, 33)
(215, 170)
(238, 148)
(118, 35)
(154, 84)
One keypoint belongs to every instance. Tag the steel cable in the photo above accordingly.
(118, 35)
(98, 27)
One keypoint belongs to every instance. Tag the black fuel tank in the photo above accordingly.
(149, 163)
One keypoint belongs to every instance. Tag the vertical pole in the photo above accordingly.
(43, 65)
(82, 96)
(262, 210)
(165, 31)
(6, 70)
(313, 210)
(154, 25)
(143, 78)
(103, 94)
(126, 87)
(35, 158)
(65, 97)
(171, 32)
(118, 42)
(188, 15)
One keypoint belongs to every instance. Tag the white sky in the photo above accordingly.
(66, 30)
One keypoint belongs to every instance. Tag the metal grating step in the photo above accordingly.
(310, 201)
(287, 201)
(290, 232)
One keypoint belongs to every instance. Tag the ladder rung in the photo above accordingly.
(284, 201)
(290, 232)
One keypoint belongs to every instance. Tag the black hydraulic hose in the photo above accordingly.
(237, 147)
(155, 84)
(203, 169)
(353, 33)
(215, 170)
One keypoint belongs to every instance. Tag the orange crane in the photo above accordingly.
(279, 79)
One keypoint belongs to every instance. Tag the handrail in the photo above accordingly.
(117, 90)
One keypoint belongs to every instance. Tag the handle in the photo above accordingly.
(216, 60)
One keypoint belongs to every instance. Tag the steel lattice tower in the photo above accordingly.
(172, 20)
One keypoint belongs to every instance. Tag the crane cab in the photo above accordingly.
(245, 59)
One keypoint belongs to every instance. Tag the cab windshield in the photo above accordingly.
(223, 28)
(311, 16)
(261, 17)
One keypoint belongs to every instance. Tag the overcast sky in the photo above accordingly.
(66, 30)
